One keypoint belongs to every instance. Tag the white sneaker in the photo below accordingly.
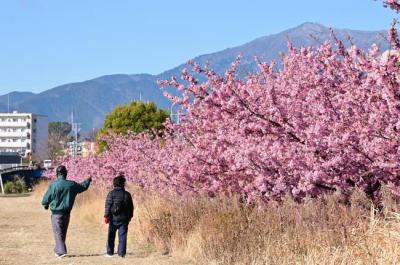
(108, 255)
(60, 256)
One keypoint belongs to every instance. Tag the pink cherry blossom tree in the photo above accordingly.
(393, 4)
(328, 119)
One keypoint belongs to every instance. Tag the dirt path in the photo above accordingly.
(26, 238)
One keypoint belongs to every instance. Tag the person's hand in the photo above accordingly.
(106, 220)
(46, 207)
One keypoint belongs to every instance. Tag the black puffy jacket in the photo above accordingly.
(119, 196)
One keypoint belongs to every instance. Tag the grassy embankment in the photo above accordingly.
(222, 231)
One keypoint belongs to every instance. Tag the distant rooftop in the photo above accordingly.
(16, 113)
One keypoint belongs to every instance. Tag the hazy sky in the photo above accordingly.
(45, 43)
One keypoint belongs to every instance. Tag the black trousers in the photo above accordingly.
(60, 228)
(122, 229)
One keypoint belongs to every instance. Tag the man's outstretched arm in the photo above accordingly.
(84, 185)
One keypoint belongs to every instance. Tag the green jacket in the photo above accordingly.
(60, 195)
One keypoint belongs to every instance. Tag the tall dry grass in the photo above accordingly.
(40, 188)
(323, 231)
(224, 231)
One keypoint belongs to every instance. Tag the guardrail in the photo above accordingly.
(11, 169)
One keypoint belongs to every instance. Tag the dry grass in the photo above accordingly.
(26, 238)
(40, 188)
(224, 231)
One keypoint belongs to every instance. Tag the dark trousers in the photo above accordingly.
(122, 237)
(60, 224)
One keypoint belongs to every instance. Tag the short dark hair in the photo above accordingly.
(119, 181)
(61, 171)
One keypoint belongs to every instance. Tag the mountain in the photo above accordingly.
(3, 107)
(91, 100)
(13, 98)
(269, 47)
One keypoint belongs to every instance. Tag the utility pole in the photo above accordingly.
(75, 130)
(1, 184)
(170, 112)
(177, 114)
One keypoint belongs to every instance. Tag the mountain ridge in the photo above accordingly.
(92, 99)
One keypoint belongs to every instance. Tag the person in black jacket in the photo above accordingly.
(118, 213)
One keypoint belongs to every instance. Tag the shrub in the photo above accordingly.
(16, 186)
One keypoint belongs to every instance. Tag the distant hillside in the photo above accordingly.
(14, 98)
(269, 47)
(3, 108)
(92, 99)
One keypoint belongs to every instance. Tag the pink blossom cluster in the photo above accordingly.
(393, 4)
(329, 119)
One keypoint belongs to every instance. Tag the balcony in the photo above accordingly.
(14, 145)
(14, 134)
(14, 124)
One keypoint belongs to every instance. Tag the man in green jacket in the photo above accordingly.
(60, 197)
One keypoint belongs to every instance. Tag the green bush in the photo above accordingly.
(135, 117)
(16, 186)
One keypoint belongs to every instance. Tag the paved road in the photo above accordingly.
(25, 238)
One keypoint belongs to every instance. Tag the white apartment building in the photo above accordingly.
(25, 133)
